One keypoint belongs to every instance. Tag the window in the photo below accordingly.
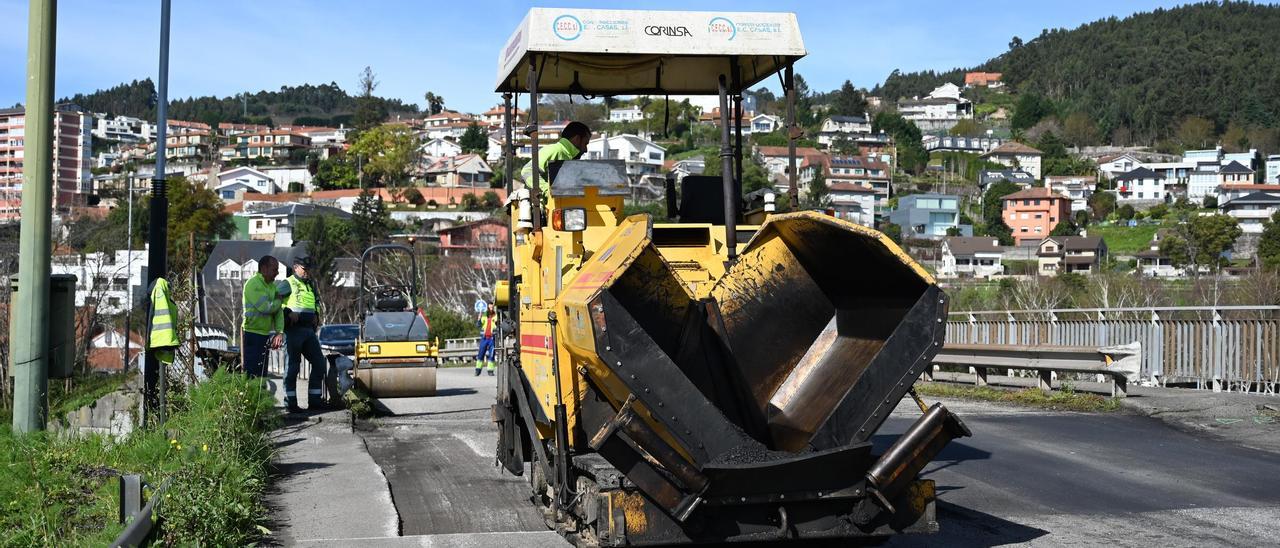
(927, 203)
(1038, 216)
(1023, 229)
(228, 195)
(1026, 202)
(1026, 215)
(1039, 230)
(655, 155)
(1049, 248)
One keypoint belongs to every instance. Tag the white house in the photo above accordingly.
(1016, 155)
(465, 170)
(1078, 188)
(1251, 210)
(1118, 164)
(643, 157)
(494, 152)
(438, 148)
(971, 256)
(247, 177)
(940, 110)
(765, 123)
(1151, 262)
(629, 114)
(1140, 185)
(853, 202)
(774, 159)
(123, 128)
(105, 280)
(849, 126)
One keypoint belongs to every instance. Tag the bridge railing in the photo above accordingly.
(1231, 347)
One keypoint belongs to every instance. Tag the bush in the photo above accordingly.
(447, 324)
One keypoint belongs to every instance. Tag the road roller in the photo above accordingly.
(717, 377)
(395, 356)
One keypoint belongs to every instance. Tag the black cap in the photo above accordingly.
(302, 261)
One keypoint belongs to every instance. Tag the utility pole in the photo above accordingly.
(153, 377)
(30, 341)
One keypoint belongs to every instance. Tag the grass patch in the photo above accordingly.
(1124, 240)
(61, 490)
(1059, 400)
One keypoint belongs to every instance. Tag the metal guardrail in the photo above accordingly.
(143, 521)
(1222, 347)
(1121, 362)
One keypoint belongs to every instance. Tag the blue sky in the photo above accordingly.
(224, 47)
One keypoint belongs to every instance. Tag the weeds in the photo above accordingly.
(59, 490)
(1063, 400)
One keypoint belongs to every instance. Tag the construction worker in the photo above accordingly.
(571, 146)
(488, 324)
(263, 324)
(301, 323)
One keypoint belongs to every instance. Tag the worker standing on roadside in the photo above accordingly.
(571, 146)
(302, 320)
(263, 324)
(488, 324)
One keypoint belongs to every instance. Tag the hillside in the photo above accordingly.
(306, 104)
(1145, 72)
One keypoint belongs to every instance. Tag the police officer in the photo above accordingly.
(301, 323)
(263, 324)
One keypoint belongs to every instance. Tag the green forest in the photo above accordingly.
(1146, 73)
(306, 104)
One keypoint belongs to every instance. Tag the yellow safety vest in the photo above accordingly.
(262, 314)
(162, 336)
(301, 297)
(487, 324)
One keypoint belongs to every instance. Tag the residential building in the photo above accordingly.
(494, 116)
(1016, 155)
(983, 80)
(986, 178)
(868, 172)
(289, 178)
(125, 129)
(938, 111)
(643, 157)
(847, 126)
(187, 146)
(1273, 169)
(277, 224)
(1076, 187)
(233, 183)
(1118, 164)
(1236, 173)
(969, 145)
(438, 148)
(1034, 212)
(484, 242)
(325, 137)
(72, 160)
(1251, 210)
(1176, 176)
(971, 257)
(929, 216)
(853, 202)
(628, 114)
(105, 280)
(445, 118)
(1140, 185)
(1078, 254)
(493, 154)
(774, 159)
(106, 350)
(275, 145)
(1151, 262)
(1231, 191)
(688, 166)
(465, 170)
(765, 123)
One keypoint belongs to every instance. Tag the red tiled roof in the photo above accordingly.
(1013, 147)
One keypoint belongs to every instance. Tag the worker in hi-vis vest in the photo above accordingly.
(488, 324)
(161, 338)
(302, 320)
(262, 328)
(572, 144)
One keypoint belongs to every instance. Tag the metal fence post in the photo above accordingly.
(1217, 350)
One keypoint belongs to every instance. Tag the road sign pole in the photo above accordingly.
(31, 314)
(153, 379)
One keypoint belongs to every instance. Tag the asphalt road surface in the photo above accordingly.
(1026, 478)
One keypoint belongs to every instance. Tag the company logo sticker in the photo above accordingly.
(722, 27)
(567, 27)
(662, 30)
